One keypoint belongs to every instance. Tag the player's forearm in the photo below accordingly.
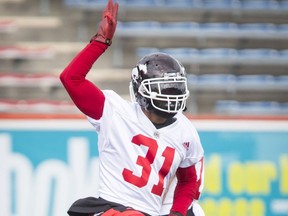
(186, 189)
(87, 97)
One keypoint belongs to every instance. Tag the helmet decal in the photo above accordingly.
(138, 70)
(142, 67)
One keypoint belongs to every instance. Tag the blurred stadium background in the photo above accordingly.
(235, 53)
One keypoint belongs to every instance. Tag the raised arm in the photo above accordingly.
(86, 96)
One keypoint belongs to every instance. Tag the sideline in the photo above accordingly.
(201, 122)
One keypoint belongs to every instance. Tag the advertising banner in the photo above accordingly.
(45, 165)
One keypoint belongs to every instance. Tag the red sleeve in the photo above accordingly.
(187, 189)
(86, 96)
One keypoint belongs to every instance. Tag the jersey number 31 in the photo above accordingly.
(145, 163)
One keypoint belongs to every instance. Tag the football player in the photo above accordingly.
(142, 144)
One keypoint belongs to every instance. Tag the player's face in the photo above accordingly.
(168, 104)
(165, 104)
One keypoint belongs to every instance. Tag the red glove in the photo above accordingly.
(108, 24)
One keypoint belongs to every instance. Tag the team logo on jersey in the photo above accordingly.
(156, 134)
(186, 145)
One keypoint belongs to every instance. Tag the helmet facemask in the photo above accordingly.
(167, 94)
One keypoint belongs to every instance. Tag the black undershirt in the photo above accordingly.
(166, 123)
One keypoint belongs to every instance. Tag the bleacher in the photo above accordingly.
(187, 4)
(235, 51)
(223, 56)
(206, 30)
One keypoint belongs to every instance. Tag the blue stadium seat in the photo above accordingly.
(123, 3)
(248, 107)
(178, 3)
(229, 56)
(139, 25)
(212, 82)
(181, 25)
(219, 52)
(218, 26)
(221, 4)
(226, 106)
(258, 27)
(262, 82)
(259, 107)
(193, 29)
(182, 53)
(191, 79)
(141, 3)
(219, 79)
(257, 53)
(184, 4)
(256, 79)
(284, 53)
(141, 52)
(282, 27)
(86, 3)
(283, 4)
(259, 4)
(284, 108)
(282, 80)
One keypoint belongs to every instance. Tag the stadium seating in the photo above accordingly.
(31, 21)
(225, 56)
(233, 50)
(203, 30)
(184, 4)
(252, 107)
(37, 106)
(18, 52)
(29, 80)
(233, 83)
(11, 1)
(7, 26)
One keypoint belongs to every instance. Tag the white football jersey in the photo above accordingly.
(137, 160)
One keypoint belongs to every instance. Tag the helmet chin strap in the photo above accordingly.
(169, 118)
(160, 113)
(163, 114)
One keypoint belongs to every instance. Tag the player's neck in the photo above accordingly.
(155, 119)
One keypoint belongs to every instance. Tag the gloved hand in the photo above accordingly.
(108, 24)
